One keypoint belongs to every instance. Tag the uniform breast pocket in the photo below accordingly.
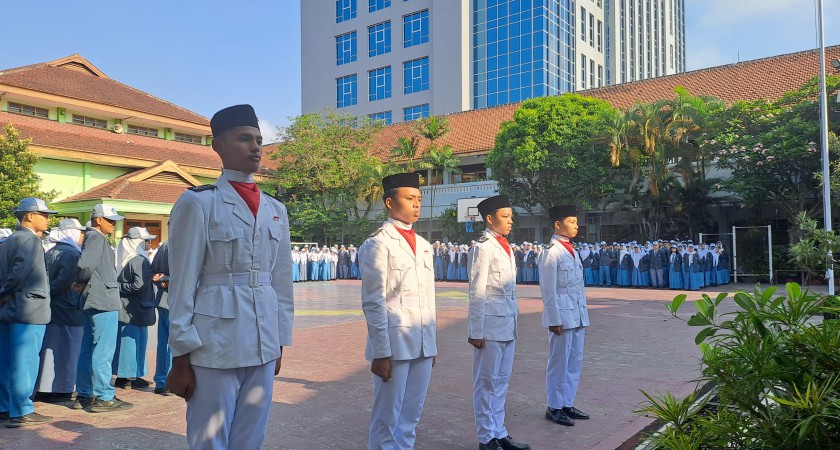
(397, 273)
(223, 241)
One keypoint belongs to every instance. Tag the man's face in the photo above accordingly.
(501, 221)
(567, 227)
(40, 221)
(404, 205)
(106, 226)
(240, 148)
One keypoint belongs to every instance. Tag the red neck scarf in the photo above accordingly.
(565, 241)
(504, 242)
(410, 237)
(249, 193)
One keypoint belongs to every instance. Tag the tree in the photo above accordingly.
(772, 149)
(325, 171)
(550, 153)
(18, 180)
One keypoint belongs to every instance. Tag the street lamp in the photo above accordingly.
(824, 142)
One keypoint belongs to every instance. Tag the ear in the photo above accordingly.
(388, 204)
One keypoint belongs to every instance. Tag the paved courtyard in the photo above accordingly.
(323, 393)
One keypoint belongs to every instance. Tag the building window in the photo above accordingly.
(471, 172)
(600, 36)
(583, 71)
(346, 91)
(379, 83)
(583, 24)
(379, 39)
(144, 131)
(591, 30)
(416, 28)
(376, 5)
(416, 112)
(591, 73)
(89, 121)
(28, 110)
(345, 48)
(344, 10)
(416, 75)
(600, 75)
(191, 138)
(384, 117)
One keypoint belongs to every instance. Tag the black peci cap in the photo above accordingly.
(490, 204)
(233, 116)
(401, 180)
(561, 212)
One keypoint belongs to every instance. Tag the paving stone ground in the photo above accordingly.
(322, 396)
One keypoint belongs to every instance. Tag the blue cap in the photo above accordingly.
(32, 204)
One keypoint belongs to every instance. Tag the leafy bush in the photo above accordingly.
(775, 371)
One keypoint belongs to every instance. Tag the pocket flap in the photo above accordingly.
(275, 233)
(36, 294)
(220, 305)
(225, 234)
(112, 285)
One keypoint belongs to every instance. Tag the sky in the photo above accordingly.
(205, 55)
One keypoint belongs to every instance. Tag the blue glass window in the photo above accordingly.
(346, 91)
(384, 116)
(416, 75)
(345, 48)
(415, 112)
(416, 28)
(375, 5)
(379, 39)
(344, 10)
(379, 83)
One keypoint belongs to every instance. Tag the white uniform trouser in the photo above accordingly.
(492, 366)
(565, 361)
(398, 404)
(230, 407)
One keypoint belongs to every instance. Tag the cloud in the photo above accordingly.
(268, 131)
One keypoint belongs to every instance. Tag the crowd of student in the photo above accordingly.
(324, 264)
(76, 313)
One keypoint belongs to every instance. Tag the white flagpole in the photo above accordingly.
(824, 143)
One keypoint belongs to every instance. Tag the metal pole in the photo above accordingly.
(824, 145)
(734, 258)
(770, 250)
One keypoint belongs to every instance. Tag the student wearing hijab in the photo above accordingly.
(160, 269)
(586, 258)
(675, 279)
(625, 268)
(63, 337)
(295, 266)
(137, 309)
(636, 275)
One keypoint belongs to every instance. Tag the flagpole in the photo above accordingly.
(824, 144)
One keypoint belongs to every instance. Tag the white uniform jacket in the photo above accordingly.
(398, 296)
(230, 293)
(493, 309)
(561, 285)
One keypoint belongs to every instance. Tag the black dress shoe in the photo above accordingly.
(163, 391)
(508, 443)
(558, 416)
(82, 402)
(115, 404)
(139, 383)
(575, 413)
(32, 418)
(122, 383)
(492, 445)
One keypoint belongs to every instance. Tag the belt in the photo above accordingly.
(252, 278)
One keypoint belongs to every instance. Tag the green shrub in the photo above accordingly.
(775, 370)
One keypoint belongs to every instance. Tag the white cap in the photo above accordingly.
(140, 233)
(107, 211)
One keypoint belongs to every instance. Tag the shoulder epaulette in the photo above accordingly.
(375, 233)
(550, 245)
(204, 187)
(483, 239)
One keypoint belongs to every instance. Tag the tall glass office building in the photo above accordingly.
(407, 59)
(521, 49)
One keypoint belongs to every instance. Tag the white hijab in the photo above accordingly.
(129, 248)
(69, 237)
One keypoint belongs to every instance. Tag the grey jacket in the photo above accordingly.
(24, 284)
(96, 268)
(161, 265)
(137, 297)
(61, 264)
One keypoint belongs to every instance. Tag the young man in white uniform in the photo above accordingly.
(398, 299)
(230, 293)
(492, 316)
(565, 315)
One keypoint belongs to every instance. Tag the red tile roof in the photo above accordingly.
(139, 185)
(95, 141)
(77, 78)
(474, 132)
